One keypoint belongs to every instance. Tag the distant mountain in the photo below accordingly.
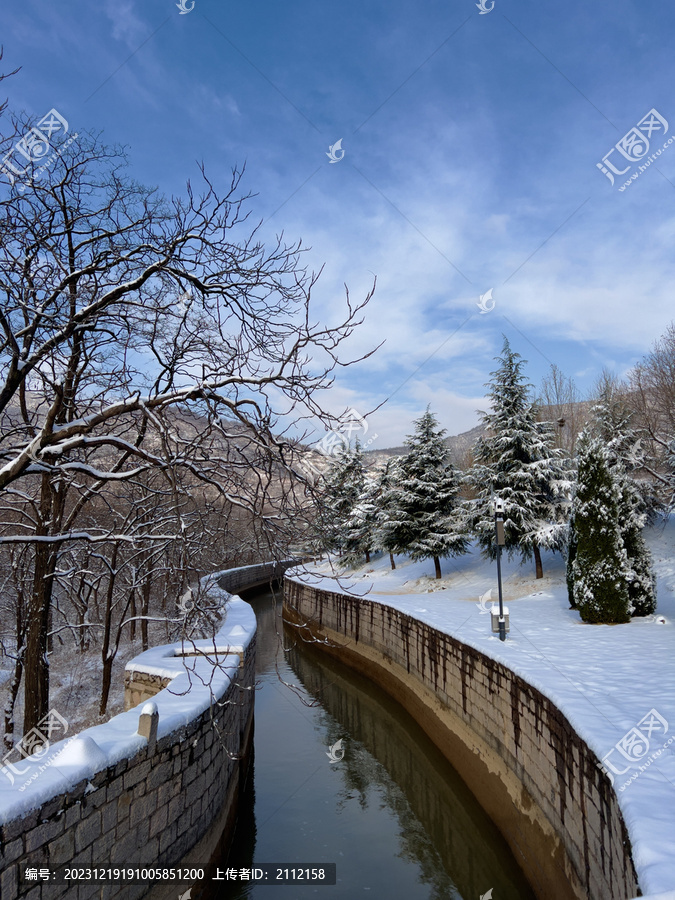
(568, 420)
(459, 446)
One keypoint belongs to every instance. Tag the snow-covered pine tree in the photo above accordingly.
(600, 566)
(517, 462)
(638, 502)
(343, 486)
(359, 531)
(426, 513)
(390, 533)
(612, 421)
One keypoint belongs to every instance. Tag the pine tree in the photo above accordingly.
(426, 521)
(343, 486)
(611, 423)
(390, 529)
(360, 527)
(517, 462)
(600, 566)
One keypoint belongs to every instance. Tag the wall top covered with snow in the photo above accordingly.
(194, 681)
(112, 796)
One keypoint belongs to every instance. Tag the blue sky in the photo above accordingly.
(470, 149)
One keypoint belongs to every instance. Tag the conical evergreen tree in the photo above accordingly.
(517, 462)
(390, 533)
(637, 498)
(343, 486)
(359, 531)
(426, 521)
(599, 569)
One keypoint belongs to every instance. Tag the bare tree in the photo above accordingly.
(145, 336)
(652, 399)
(3, 104)
(565, 408)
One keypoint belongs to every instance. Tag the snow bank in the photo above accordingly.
(605, 679)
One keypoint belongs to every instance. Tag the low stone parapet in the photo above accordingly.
(143, 789)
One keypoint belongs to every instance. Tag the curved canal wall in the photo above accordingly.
(529, 769)
(144, 788)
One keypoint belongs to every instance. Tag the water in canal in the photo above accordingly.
(392, 814)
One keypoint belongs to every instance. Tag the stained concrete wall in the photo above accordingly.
(525, 763)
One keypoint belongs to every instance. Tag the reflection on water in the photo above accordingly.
(393, 814)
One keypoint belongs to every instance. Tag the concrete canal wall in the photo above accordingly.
(145, 788)
(529, 769)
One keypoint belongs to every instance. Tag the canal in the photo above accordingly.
(392, 813)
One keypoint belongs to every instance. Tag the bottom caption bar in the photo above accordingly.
(259, 873)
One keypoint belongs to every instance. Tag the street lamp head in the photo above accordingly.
(498, 506)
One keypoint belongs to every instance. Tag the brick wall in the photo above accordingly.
(519, 754)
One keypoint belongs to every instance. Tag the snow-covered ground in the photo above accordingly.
(605, 678)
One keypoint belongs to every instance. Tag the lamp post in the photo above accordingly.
(499, 534)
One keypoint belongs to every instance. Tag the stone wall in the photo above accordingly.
(114, 797)
(245, 577)
(526, 765)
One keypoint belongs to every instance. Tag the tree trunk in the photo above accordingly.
(537, 562)
(367, 556)
(11, 700)
(391, 560)
(18, 671)
(145, 610)
(106, 680)
(36, 662)
(437, 564)
(106, 656)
